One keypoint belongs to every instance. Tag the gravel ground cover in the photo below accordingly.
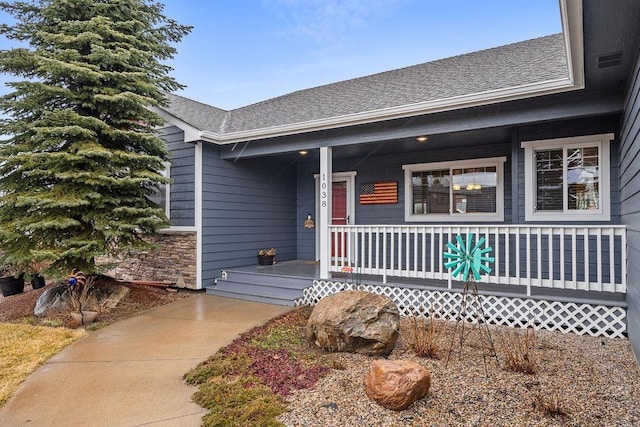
(580, 381)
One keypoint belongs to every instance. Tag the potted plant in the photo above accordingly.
(80, 293)
(266, 256)
(11, 280)
(35, 271)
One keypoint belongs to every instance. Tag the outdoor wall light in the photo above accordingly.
(422, 138)
(309, 222)
(303, 152)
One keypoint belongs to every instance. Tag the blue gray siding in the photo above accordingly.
(386, 168)
(247, 205)
(182, 173)
(630, 202)
(306, 205)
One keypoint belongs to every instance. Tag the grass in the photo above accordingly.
(426, 336)
(519, 350)
(24, 347)
(549, 404)
(245, 382)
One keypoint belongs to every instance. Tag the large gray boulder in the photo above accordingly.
(355, 321)
(103, 295)
(52, 299)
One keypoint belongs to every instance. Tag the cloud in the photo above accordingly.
(326, 21)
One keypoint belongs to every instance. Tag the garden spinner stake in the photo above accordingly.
(471, 261)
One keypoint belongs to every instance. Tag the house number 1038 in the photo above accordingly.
(323, 192)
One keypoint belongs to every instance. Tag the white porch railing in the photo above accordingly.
(591, 258)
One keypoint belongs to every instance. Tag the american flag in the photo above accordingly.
(378, 193)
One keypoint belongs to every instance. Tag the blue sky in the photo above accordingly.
(246, 51)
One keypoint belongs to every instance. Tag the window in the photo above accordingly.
(455, 191)
(567, 179)
(161, 198)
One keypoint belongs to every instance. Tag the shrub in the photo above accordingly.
(548, 404)
(520, 351)
(426, 336)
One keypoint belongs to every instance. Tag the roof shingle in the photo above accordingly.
(523, 63)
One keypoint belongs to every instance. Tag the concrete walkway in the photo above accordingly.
(129, 373)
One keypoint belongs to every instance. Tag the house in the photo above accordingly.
(532, 145)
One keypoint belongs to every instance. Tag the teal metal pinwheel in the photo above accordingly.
(465, 258)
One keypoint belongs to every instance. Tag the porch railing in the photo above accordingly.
(589, 257)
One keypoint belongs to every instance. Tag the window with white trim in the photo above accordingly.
(162, 195)
(462, 190)
(567, 179)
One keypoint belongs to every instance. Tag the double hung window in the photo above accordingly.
(567, 179)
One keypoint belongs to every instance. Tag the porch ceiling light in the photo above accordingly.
(422, 138)
(303, 152)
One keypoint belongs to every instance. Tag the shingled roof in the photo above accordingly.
(520, 64)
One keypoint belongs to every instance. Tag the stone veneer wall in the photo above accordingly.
(173, 260)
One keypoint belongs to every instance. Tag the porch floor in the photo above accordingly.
(310, 270)
(295, 268)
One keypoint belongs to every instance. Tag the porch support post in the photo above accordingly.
(326, 170)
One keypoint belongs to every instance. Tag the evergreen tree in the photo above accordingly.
(79, 158)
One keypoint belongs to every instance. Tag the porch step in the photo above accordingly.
(260, 287)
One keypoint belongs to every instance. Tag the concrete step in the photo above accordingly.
(291, 282)
(249, 297)
(260, 286)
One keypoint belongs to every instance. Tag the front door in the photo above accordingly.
(342, 210)
(339, 216)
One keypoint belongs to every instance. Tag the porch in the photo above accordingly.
(569, 278)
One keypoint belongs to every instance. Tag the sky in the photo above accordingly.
(245, 51)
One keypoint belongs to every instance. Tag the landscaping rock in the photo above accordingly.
(52, 299)
(396, 384)
(355, 321)
(103, 295)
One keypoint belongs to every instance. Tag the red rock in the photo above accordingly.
(396, 384)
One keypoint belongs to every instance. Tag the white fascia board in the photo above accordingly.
(571, 18)
(191, 133)
(448, 104)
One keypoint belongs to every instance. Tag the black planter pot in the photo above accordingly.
(11, 285)
(37, 281)
(266, 259)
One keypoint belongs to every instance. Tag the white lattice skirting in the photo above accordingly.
(595, 320)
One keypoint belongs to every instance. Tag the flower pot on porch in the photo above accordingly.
(11, 285)
(266, 259)
(37, 281)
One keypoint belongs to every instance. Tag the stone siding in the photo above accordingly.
(173, 260)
